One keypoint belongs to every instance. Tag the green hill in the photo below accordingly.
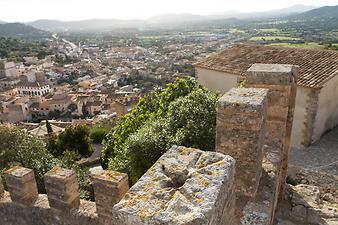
(320, 13)
(19, 30)
(323, 18)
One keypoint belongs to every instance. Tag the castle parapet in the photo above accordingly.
(62, 189)
(186, 185)
(21, 185)
(109, 188)
(241, 118)
(281, 80)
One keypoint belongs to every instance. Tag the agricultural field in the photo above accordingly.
(274, 38)
(236, 30)
(302, 45)
(269, 30)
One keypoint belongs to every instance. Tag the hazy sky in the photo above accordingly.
(28, 10)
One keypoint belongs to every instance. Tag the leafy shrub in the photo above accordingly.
(19, 148)
(142, 149)
(99, 132)
(68, 160)
(180, 115)
(192, 120)
(154, 104)
(75, 138)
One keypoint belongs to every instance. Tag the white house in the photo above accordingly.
(33, 88)
(316, 108)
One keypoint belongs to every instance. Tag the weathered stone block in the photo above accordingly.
(255, 214)
(281, 82)
(274, 74)
(299, 213)
(185, 186)
(21, 185)
(62, 189)
(2, 189)
(241, 115)
(109, 189)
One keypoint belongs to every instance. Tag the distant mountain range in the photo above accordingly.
(167, 19)
(295, 9)
(326, 12)
(94, 24)
(38, 28)
(19, 30)
(325, 17)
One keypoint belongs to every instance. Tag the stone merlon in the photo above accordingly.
(185, 186)
(240, 133)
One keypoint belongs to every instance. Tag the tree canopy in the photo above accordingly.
(19, 148)
(182, 114)
(75, 138)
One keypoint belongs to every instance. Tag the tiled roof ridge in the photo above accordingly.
(316, 66)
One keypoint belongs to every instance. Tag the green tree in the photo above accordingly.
(49, 127)
(53, 145)
(75, 138)
(99, 132)
(142, 149)
(19, 148)
(153, 105)
(192, 120)
(189, 120)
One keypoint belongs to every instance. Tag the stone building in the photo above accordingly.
(316, 108)
(15, 110)
(8, 75)
(60, 101)
(33, 88)
(7, 69)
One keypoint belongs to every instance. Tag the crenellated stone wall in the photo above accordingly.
(238, 184)
(280, 80)
(61, 206)
(185, 186)
(241, 118)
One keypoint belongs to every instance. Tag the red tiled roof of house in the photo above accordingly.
(316, 66)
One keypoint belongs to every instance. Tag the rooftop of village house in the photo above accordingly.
(316, 66)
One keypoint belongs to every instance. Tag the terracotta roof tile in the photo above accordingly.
(316, 66)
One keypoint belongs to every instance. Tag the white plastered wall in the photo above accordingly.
(215, 80)
(298, 125)
(327, 113)
(223, 82)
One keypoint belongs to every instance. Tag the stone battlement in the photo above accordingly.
(240, 183)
